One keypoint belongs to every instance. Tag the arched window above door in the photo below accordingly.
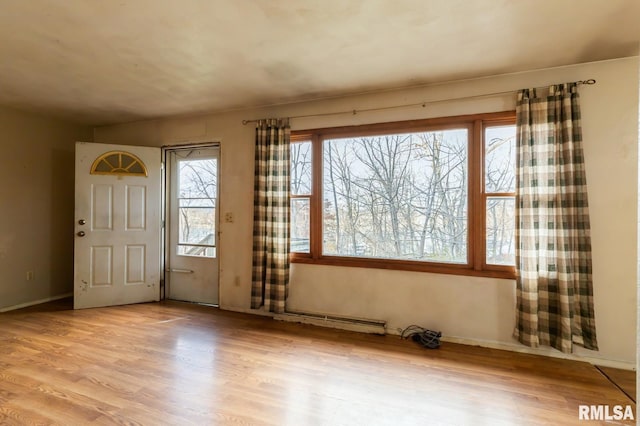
(120, 163)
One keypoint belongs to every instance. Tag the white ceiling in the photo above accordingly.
(101, 62)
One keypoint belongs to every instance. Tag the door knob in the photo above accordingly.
(81, 234)
(82, 221)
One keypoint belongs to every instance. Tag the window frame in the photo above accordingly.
(306, 196)
(476, 212)
(481, 206)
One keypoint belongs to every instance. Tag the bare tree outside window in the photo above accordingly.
(500, 186)
(397, 196)
(301, 182)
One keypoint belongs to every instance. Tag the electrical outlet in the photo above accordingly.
(30, 276)
(228, 217)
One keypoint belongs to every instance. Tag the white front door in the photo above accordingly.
(117, 225)
(192, 254)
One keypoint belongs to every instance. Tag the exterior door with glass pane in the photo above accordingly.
(192, 228)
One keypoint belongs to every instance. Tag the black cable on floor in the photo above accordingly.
(428, 338)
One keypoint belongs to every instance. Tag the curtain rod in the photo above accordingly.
(420, 104)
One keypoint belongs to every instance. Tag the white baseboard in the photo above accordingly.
(36, 302)
(553, 353)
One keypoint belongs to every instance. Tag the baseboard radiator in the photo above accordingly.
(362, 325)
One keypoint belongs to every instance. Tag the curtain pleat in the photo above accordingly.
(270, 274)
(553, 245)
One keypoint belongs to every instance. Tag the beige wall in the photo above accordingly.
(466, 309)
(36, 195)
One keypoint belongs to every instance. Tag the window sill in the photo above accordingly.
(406, 265)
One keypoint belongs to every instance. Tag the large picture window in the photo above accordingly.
(432, 195)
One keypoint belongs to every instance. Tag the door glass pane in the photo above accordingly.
(500, 231)
(198, 178)
(196, 225)
(185, 250)
(300, 225)
(197, 192)
(500, 159)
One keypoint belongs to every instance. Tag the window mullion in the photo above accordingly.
(477, 201)
(316, 198)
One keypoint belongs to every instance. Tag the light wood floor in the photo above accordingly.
(176, 363)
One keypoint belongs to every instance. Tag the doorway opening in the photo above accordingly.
(191, 223)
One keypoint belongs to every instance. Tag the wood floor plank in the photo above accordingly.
(177, 363)
(625, 379)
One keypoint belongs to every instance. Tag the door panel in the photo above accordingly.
(117, 224)
(102, 207)
(192, 258)
(101, 266)
(135, 264)
(136, 215)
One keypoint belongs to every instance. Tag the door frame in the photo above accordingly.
(165, 214)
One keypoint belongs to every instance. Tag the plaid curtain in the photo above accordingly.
(553, 245)
(272, 190)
